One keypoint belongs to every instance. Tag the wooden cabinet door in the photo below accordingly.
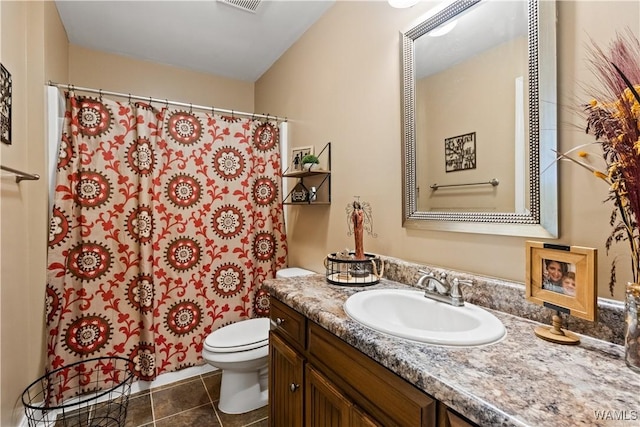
(325, 405)
(286, 376)
(360, 419)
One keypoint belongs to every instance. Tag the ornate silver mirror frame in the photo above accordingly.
(541, 219)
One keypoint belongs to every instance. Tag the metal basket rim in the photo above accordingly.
(368, 257)
(80, 402)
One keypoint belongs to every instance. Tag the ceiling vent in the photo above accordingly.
(246, 5)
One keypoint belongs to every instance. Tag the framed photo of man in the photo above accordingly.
(562, 277)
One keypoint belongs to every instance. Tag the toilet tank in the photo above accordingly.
(292, 272)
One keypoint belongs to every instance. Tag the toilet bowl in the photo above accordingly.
(241, 351)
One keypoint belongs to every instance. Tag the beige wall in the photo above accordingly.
(341, 82)
(34, 48)
(93, 69)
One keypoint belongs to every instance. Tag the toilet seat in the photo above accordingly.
(244, 335)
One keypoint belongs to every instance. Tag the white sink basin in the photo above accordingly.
(408, 314)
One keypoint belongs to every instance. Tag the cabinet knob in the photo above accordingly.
(293, 387)
(279, 321)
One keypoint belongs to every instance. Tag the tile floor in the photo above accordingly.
(189, 402)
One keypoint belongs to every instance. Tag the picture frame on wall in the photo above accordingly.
(5, 105)
(460, 152)
(297, 154)
(562, 278)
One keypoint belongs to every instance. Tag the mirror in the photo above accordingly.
(478, 147)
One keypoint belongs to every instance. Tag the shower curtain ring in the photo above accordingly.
(150, 101)
(166, 103)
(129, 98)
(100, 94)
(190, 108)
(213, 110)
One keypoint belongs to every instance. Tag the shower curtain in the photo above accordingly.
(165, 223)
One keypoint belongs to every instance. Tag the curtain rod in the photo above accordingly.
(164, 101)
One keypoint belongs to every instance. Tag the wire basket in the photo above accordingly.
(92, 392)
(344, 270)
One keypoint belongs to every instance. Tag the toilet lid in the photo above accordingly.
(240, 336)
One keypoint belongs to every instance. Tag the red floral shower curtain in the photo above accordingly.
(165, 223)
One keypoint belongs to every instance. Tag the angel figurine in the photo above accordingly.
(359, 218)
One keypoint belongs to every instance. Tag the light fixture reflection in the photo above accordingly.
(402, 4)
(443, 29)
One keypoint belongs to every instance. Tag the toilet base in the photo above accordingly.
(242, 392)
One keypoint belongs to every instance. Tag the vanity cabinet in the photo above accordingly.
(448, 418)
(313, 186)
(318, 380)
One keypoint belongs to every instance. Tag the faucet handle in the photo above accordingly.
(442, 276)
(455, 287)
(465, 282)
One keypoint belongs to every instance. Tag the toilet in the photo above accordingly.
(241, 351)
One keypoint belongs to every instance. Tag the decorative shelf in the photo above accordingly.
(306, 203)
(307, 180)
(303, 174)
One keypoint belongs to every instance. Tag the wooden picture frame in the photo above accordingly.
(5, 105)
(545, 262)
(297, 154)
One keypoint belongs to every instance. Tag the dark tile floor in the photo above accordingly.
(190, 402)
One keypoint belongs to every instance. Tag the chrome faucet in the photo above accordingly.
(440, 290)
(435, 284)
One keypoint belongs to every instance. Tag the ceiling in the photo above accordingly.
(209, 36)
(481, 27)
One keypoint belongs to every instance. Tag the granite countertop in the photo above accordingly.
(521, 380)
